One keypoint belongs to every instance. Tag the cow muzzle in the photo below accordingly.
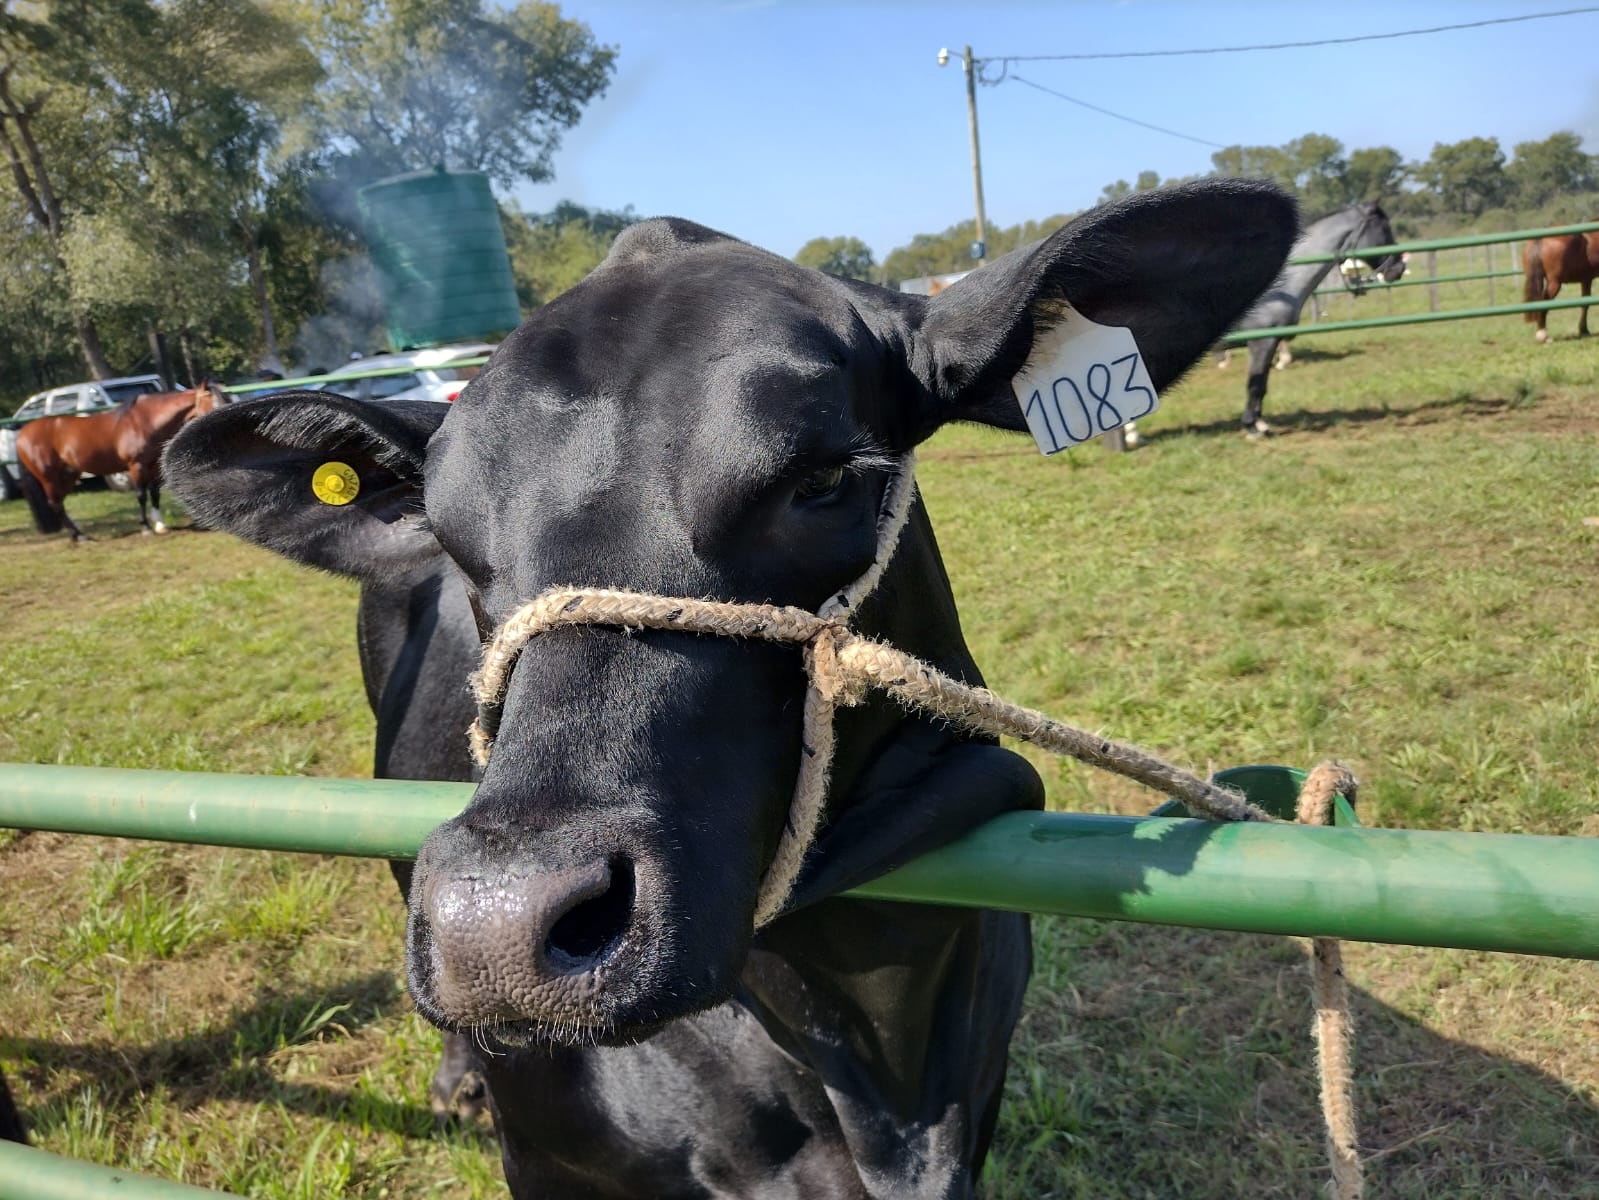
(496, 942)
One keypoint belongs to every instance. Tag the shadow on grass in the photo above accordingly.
(233, 1061)
(1163, 1062)
(1314, 421)
(110, 527)
(1149, 1062)
(1302, 353)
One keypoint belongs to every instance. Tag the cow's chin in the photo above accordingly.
(539, 1035)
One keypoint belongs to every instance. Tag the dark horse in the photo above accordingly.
(1343, 234)
(1552, 261)
(55, 452)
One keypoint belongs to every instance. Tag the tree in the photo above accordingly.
(1319, 172)
(47, 72)
(1553, 167)
(1148, 181)
(1374, 172)
(551, 252)
(1255, 162)
(465, 83)
(950, 251)
(847, 256)
(1468, 175)
(136, 133)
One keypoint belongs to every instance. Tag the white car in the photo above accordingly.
(436, 374)
(90, 397)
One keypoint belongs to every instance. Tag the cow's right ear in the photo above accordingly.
(323, 480)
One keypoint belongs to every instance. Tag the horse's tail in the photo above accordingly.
(1537, 281)
(45, 518)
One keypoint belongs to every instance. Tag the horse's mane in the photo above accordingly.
(1370, 205)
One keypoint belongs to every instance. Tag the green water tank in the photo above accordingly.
(436, 241)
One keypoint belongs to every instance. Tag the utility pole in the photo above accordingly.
(980, 250)
(980, 244)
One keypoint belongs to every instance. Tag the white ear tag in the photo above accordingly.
(1082, 380)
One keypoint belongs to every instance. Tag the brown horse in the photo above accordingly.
(1551, 261)
(55, 452)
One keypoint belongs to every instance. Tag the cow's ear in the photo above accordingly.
(1177, 266)
(323, 480)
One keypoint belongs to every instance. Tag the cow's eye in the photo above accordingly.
(820, 483)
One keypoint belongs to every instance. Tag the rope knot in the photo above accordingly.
(836, 685)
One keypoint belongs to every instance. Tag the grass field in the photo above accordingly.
(1402, 578)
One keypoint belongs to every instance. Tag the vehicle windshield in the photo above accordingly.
(455, 374)
(122, 392)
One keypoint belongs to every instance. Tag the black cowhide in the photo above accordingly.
(701, 418)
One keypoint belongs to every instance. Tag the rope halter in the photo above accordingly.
(841, 666)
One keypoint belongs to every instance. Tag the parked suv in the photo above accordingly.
(94, 396)
(435, 374)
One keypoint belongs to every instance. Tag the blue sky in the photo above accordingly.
(779, 121)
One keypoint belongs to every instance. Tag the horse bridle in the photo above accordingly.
(1356, 281)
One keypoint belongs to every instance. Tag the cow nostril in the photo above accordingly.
(583, 934)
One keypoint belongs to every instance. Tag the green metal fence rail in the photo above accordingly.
(1519, 893)
(1414, 280)
(30, 1174)
(1450, 243)
(1239, 336)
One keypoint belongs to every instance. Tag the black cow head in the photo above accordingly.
(696, 418)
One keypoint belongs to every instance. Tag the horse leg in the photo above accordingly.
(141, 488)
(1582, 319)
(56, 491)
(77, 534)
(1285, 355)
(155, 504)
(1260, 355)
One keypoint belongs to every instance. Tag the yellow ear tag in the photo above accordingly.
(335, 483)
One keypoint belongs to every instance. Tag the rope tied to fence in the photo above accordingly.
(842, 667)
(1334, 1027)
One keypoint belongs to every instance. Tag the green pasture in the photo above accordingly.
(1404, 577)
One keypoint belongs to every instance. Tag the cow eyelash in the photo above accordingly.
(866, 461)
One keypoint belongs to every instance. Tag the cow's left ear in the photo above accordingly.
(326, 481)
(1177, 266)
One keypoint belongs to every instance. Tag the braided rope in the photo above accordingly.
(841, 667)
(1334, 1028)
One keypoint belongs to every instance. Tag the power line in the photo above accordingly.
(1338, 41)
(1119, 116)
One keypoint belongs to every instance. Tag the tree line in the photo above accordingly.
(189, 167)
(1459, 183)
